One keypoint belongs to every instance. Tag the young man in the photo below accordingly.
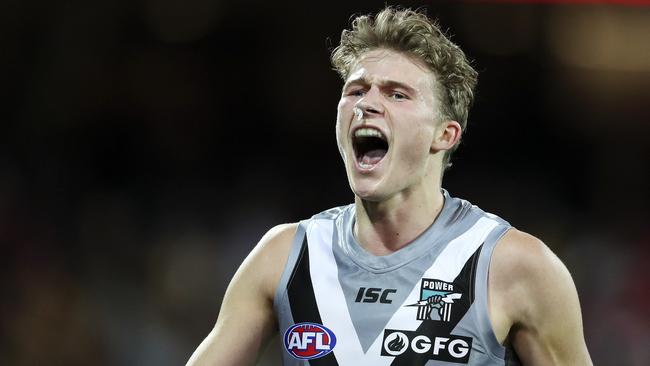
(407, 275)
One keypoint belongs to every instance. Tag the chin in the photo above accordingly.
(367, 193)
(368, 198)
(367, 187)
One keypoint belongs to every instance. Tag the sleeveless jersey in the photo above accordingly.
(425, 304)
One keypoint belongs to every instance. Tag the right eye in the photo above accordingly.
(357, 92)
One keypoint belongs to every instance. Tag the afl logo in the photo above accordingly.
(307, 341)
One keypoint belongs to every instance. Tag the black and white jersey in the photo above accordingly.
(425, 304)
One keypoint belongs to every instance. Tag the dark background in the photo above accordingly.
(145, 147)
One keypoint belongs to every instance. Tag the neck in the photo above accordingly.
(387, 226)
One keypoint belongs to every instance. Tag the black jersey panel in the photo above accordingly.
(303, 302)
(465, 281)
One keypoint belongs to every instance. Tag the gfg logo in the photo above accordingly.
(450, 348)
(307, 341)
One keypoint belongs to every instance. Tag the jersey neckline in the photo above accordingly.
(430, 238)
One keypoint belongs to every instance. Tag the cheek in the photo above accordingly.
(339, 138)
(416, 147)
(420, 136)
(342, 120)
(342, 103)
(340, 128)
(425, 138)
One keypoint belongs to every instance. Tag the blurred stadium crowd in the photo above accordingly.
(146, 146)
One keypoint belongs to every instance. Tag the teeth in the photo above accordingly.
(364, 165)
(368, 132)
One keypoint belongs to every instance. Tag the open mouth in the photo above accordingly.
(370, 147)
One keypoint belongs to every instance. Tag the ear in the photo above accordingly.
(446, 136)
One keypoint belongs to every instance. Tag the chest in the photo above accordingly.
(422, 312)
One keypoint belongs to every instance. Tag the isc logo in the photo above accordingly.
(373, 294)
(307, 341)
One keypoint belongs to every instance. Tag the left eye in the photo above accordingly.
(398, 96)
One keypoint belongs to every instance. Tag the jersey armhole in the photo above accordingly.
(287, 272)
(494, 349)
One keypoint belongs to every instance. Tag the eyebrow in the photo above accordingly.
(383, 84)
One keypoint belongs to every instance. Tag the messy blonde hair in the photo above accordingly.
(414, 34)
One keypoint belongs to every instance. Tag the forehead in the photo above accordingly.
(383, 65)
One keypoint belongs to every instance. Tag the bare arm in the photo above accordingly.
(534, 303)
(246, 320)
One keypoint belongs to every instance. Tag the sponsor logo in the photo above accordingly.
(436, 300)
(373, 294)
(307, 341)
(450, 348)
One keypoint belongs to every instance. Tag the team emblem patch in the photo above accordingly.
(436, 300)
(307, 341)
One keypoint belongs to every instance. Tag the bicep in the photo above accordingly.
(244, 323)
(246, 319)
(547, 321)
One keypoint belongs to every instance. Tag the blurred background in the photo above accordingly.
(145, 147)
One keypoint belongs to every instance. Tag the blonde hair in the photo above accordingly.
(414, 34)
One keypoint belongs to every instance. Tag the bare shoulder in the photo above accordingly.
(534, 302)
(270, 256)
(527, 258)
(526, 266)
(278, 238)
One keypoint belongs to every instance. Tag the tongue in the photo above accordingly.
(373, 156)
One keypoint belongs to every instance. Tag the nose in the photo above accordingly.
(369, 105)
